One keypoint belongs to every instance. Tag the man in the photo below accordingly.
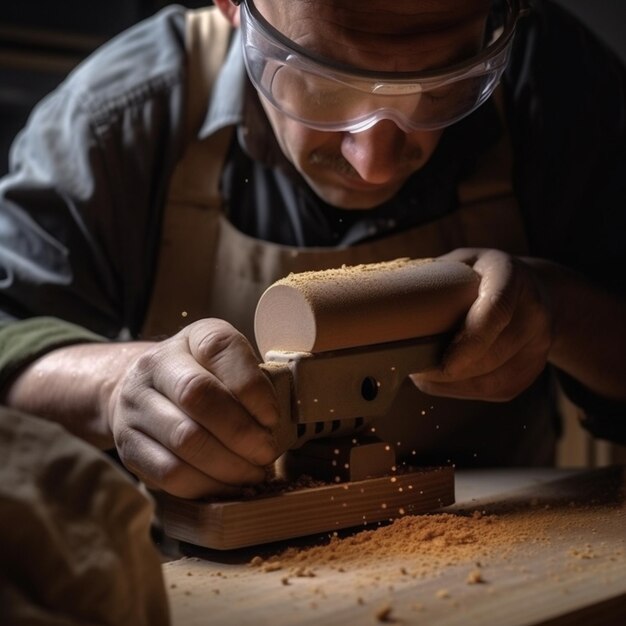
(361, 132)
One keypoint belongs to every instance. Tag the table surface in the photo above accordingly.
(519, 547)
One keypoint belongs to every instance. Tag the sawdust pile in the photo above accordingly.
(426, 545)
(428, 542)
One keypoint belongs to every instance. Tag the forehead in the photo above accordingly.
(396, 35)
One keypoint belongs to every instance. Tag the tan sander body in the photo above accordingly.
(364, 305)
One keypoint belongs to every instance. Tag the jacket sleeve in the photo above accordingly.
(80, 208)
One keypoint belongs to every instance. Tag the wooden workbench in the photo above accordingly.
(555, 553)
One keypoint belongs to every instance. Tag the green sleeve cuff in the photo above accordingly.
(21, 342)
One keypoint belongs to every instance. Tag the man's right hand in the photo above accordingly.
(192, 414)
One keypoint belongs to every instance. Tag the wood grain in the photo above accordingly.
(539, 580)
(226, 525)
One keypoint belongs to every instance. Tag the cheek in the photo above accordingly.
(424, 143)
(297, 141)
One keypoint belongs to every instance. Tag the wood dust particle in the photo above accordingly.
(303, 572)
(582, 553)
(475, 577)
(272, 566)
(385, 614)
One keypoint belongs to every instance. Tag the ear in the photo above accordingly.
(230, 11)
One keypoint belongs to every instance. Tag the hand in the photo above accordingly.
(192, 414)
(504, 342)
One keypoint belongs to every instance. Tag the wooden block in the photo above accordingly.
(224, 525)
(363, 305)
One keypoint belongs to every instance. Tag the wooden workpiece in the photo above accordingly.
(364, 305)
(520, 547)
(229, 524)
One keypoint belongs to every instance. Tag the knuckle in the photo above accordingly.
(169, 474)
(126, 444)
(220, 338)
(132, 394)
(502, 306)
(129, 444)
(188, 439)
(146, 362)
(191, 389)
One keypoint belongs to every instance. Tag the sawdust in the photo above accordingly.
(274, 485)
(302, 280)
(475, 577)
(433, 540)
(385, 614)
(426, 545)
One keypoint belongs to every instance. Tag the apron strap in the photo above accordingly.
(188, 222)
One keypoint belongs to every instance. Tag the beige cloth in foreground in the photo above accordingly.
(75, 546)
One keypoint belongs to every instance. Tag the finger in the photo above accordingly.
(230, 358)
(159, 468)
(489, 315)
(463, 255)
(192, 443)
(512, 340)
(206, 400)
(500, 385)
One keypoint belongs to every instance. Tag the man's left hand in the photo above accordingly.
(504, 342)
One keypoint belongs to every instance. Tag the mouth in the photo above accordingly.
(356, 183)
(339, 172)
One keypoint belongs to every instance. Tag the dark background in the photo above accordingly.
(41, 40)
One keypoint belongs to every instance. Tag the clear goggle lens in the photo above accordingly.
(329, 98)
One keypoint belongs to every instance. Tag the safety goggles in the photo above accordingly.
(328, 96)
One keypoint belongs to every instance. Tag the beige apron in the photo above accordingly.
(207, 268)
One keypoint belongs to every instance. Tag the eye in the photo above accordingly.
(439, 94)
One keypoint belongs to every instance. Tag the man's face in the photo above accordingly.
(363, 169)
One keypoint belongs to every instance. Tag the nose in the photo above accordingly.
(376, 152)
